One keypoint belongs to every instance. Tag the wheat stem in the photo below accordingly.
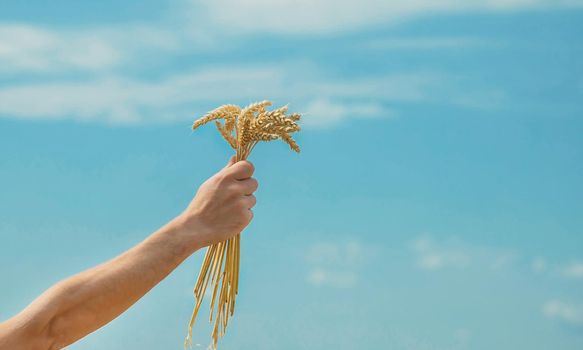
(221, 264)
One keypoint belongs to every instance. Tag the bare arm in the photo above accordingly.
(79, 305)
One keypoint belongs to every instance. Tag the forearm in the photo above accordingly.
(81, 304)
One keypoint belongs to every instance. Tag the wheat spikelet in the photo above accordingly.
(226, 134)
(223, 112)
(220, 267)
(248, 112)
(233, 109)
(244, 121)
(256, 106)
(263, 136)
(276, 115)
(244, 131)
(281, 128)
(291, 142)
(230, 123)
(295, 117)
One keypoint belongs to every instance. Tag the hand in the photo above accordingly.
(222, 206)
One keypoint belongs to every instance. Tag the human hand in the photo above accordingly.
(222, 205)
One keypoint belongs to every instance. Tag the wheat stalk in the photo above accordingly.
(243, 128)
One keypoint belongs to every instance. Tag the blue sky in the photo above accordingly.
(435, 205)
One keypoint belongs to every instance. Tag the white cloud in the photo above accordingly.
(331, 16)
(118, 100)
(539, 265)
(565, 312)
(325, 101)
(338, 279)
(28, 48)
(106, 96)
(324, 112)
(573, 270)
(426, 43)
(502, 260)
(432, 256)
(462, 337)
(451, 253)
(336, 264)
(345, 253)
(25, 47)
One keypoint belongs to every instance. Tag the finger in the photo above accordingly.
(250, 201)
(248, 186)
(232, 161)
(241, 170)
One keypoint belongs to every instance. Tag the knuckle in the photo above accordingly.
(234, 196)
(244, 218)
(233, 187)
(222, 178)
(254, 184)
(236, 189)
(247, 166)
(243, 205)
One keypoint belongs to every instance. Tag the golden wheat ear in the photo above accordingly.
(230, 123)
(254, 107)
(207, 118)
(222, 112)
(226, 134)
(233, 109)
(291, 142)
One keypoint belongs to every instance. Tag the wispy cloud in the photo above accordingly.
(105, 92)
(502, 260)
(326, 101)
(117, 100)
(329, 16)
(432, 256)
(325, 112)
(332, 278)
(539, 265)
(568, 313)
(336, 264)
(29, 48)
(573, 270)
(462, 338)
(451, 253)
(427, 43)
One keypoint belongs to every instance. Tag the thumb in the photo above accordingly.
(232, 161)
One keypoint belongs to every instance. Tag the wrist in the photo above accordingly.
(191, 231)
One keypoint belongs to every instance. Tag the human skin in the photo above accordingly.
(81, 304)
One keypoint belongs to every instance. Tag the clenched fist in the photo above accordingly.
(222, 205)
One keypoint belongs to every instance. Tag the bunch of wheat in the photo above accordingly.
(242, 128)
